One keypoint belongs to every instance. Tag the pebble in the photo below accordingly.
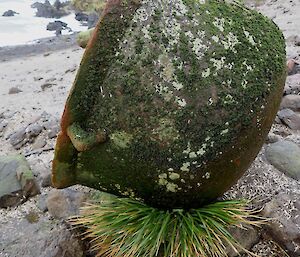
(290, 118)
(291, 102)
(33, 130)
(14, 90)
(284, 210)
(285, 156)
(65, 203)
(17, 139)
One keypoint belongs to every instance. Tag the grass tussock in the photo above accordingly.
(89, 5)
(127, 228)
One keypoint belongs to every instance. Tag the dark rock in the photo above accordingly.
(33, 130)
(17, 139)
(81, 16)
(285, 156)
(46, 10)
(9, 13)
(14, 90)
(284, 210)
(47, 85)
(292, 86)
(65, 203)
(246, 236)
(40, 238)
(58, 27)
(92, 19)
(290, 118)
(291, 102)
(17, 182)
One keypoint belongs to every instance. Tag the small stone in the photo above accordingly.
(291, 102)
(284, 210)
(53, 132)
(246, 236)
(16, 181)
(33, 130)
(272, 138)
(3, 125)
(290, 118)
(292, 85)
(17, 138)
(47, 85)
(39, 143)
(293, 67)
(37, 78)
(285, 156)
(14, 90)
(65, 203)
(41, 203)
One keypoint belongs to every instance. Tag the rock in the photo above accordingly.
(53, 132)
(46, 10)
(92, 20)
(84, 37)
(291, 102)
(41, 203)
(17, 182)
(272, 138)
(285, 156)
(33, 130)
(9, 13)
(293, 67)
(165, 107)
(246, 236)
(290, 118)
(284, 210)
(17, 139)
(41, 238)
(65, 203)
(58, 27)
(14, 90)
(39, 143)
(47, 85)
(292, 86)
(3, 125)
(81, 16)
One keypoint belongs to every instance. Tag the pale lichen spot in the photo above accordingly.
(174, 175)
(121, 139)
(219, 23)
(192, 155)
(177, 85)
(171, 187)
(206, 175)
(250, 38)
(185, 166)
(206, 73)
(225, 131)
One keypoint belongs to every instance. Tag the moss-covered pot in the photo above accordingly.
(172, 101)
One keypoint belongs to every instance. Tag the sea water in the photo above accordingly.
(24, 28)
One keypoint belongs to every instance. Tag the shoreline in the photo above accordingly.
(39, 46)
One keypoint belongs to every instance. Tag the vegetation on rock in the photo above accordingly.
(89, 5)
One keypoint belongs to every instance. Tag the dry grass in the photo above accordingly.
(127, 228)
(89, 5)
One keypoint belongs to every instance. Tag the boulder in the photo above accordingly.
(17, 182)
(9, 13)
(171, 107)
(285, 156)
(292, 86)
(284, 210)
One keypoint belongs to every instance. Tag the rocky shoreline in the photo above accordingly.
(36, 80)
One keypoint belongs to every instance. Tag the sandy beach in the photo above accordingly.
(34, 84)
